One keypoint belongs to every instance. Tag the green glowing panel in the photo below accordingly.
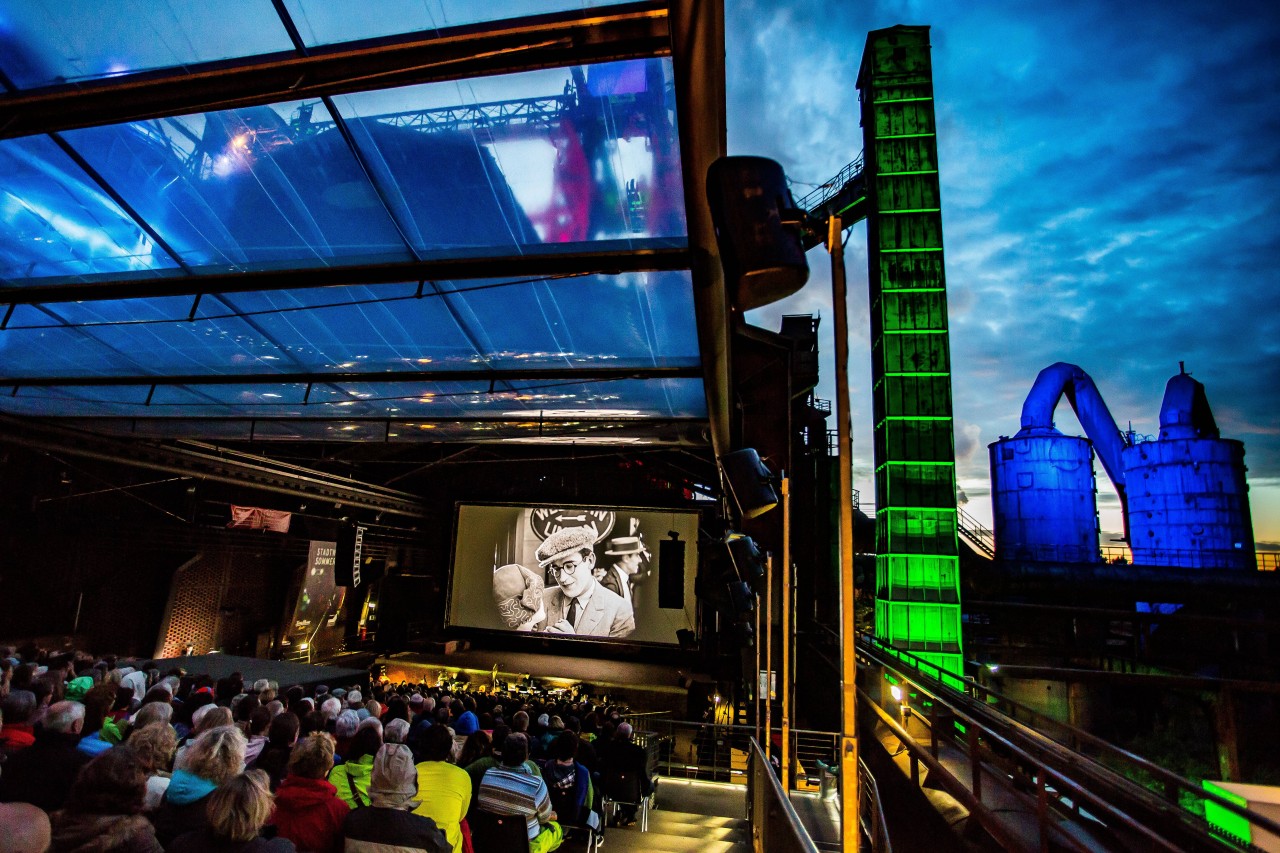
(917, 563)
(1226, 822)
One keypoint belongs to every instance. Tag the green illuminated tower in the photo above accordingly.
(917, 563)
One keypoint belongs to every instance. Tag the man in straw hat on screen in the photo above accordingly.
(579, 605)
(629, 555)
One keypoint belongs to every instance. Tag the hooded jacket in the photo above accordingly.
(309, 813)
(357, 771)
(74, 832)
(182, 809)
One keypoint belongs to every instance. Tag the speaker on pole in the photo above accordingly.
(671, 573)
(762, 254)
(750, 482)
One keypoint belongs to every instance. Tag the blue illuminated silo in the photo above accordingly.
(1044, 498)
(1188, 499)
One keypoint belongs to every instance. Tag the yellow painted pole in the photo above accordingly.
(786, 675)
(768, 658)
(849, 823)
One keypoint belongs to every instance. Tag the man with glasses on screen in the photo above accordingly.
(579, 605)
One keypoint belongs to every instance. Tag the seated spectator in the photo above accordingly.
(152, 713)
(355, 702)
(344, 731)
(237, 812)
(477, 745)
(16, 710)
(387, 823)
(625, 756)
(510, 789)
(207, 718)
(395, 731)
(42, 774)
(351, 778)
(555, 727)
(103, 813)
(569, 782)
(281, 736)
(100, 732)
(26, 828)
(467, 721)
(256, 729)
(155, 745)
(444, 790)
(215, 757)
(308, 811)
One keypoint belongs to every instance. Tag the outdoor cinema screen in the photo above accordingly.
(573, 571)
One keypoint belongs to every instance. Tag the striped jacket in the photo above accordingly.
(515, 791)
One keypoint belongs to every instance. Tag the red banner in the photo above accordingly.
(257, 518)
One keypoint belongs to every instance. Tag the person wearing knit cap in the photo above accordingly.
(388, 822)
(578, 605)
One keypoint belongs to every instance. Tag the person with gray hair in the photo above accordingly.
(43, 773)
(331, 708)
(388, 823)
(395, 731)
(153, 712)
(344, 729)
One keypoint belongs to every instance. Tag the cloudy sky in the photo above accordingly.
(1111, 198)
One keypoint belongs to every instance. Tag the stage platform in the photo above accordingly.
(642, 686)
(283, 673)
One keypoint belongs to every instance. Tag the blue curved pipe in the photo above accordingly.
(1062, 378)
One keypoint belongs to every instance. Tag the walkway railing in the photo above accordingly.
(723, 753)
(775, 826)
(1059, 771)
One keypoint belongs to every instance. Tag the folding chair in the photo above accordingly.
(495, 833)
(624, 788)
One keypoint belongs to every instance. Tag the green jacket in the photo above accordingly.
(358, 772)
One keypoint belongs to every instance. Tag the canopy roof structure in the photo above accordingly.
(373, 221)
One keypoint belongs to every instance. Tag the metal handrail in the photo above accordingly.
(830, 189)
(1033, 738)
(775, 826)
(870, 808)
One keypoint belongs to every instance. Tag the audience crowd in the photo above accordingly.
(100, 755)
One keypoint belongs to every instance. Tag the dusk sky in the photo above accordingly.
(1110, 183)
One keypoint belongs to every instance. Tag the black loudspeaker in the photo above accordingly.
(671, 574)
(763, 259)
(750, 482)
(349, 557)
(747, 559)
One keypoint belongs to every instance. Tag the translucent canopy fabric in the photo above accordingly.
(322, 22)
(627, 320)
(567, 165)
(48, 42)
(52, 42)
(547, 161)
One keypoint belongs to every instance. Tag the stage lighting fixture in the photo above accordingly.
(750, 482)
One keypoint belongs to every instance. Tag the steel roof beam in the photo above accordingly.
(544, 41)
(243, 470)
(531, 266)
(585, 374)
